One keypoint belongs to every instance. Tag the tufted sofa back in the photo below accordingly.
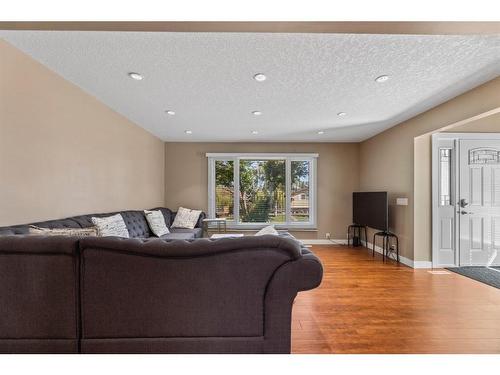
(135, 221)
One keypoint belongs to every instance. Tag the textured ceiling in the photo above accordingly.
(206, 78)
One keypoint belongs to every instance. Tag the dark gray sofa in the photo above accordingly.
(134, 220)
(149, 295)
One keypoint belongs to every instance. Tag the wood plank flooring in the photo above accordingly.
(366, 306)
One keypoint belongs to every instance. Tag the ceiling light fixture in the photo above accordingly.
(256, 113)
(381, 79)
(188, 132)
(341, 114)
(136, 76)
(260, 77)
(255, 132)
(170, 112)
(321, 132)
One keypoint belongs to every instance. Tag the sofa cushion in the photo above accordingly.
(38, 294)
(196, 232)
(172, 289)
(178, 236)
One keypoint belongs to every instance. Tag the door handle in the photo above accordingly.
(463, 203)
(463, 212)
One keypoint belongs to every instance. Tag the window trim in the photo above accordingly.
(288, 157)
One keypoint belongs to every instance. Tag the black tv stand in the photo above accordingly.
(356, 240)
(386, 249)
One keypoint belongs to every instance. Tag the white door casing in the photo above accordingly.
(446, 225)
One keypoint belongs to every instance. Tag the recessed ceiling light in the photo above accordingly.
(188, 132)
(254, 132)
(256, 113)
(381, 79)
(341, 114)
(260, 77)
(135, 76)
(321, 132)
(170, 112)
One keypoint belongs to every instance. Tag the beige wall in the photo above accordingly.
(63, 153)
(186, 172)
(388, 161)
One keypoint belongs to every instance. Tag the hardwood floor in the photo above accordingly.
(366, 306)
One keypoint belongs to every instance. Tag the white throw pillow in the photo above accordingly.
(186, 218)
(111, 226)
(156, 222)
(73, 232)
(267, 230)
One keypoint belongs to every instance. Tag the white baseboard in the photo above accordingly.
(422, 264)
(323, 242)
(408, 262)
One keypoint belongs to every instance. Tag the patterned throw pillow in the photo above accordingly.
(111, 226)
(186, 218)
(267, 230)
(74, 232)
(156, 222)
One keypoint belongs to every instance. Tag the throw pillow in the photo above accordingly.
(74, 232)
(111, 226)
(267, 230)
(186, 218)
(156, 222)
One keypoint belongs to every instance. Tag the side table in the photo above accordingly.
(220, 221)
(386, 249)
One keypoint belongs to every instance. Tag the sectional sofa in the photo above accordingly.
(149, 295)
(135, 221)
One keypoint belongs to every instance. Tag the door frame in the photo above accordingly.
(453, 139)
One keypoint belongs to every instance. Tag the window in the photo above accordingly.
(224, 189)
(445, 176)
(484, 156)
(251, 190)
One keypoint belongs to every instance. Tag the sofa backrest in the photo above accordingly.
(39, 295)
(199, 288)
(134, 220)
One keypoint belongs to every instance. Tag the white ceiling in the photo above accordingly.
(206, 78)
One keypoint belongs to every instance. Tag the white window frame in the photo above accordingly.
(236, 157)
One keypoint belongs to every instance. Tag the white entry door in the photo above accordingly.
(478, 206)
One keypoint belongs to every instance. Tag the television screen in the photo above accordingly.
(371, 209)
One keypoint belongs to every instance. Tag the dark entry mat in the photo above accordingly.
(486, 275)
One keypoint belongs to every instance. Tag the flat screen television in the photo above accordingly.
(371, 209)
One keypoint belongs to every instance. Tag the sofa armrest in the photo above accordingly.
(199, 223)
(301, 274)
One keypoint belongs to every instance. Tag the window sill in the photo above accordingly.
(246, 229)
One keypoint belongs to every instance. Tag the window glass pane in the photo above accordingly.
(224, 189)
(445, 176)
(299, 204)
(262, 191)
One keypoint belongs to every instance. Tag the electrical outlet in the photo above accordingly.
(327, 236)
